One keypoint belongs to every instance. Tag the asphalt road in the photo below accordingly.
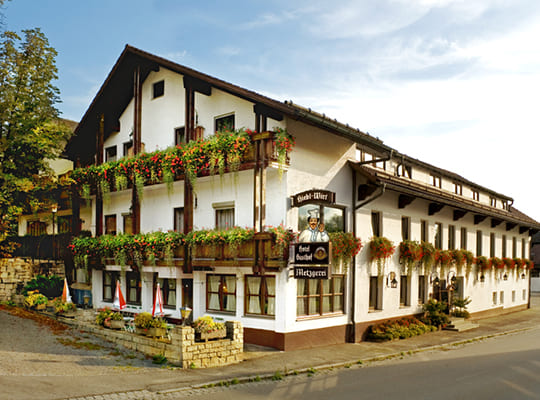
(505, 367)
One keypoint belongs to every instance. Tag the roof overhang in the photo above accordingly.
(411, 190)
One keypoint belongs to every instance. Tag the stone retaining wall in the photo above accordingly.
(15, 273)
(180, 348)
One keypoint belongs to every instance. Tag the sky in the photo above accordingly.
(454, 83)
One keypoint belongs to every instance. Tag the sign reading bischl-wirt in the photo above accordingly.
(313, 196)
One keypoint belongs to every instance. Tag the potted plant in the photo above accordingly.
(381, 248)
(344, 247)
(410, 253)
(116, 321)
(206, 328)
(36, 301)
(158, 327)
(143, 321)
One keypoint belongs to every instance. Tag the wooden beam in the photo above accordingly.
(404, 200)
(267, 112)
(458, 214)
(510, 226)
(478, 218)
(434, 208)
(197, 85)
(495, 222)
(365, 190)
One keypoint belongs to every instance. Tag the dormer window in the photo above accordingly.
(476, 195)
(493, 202)
(404, 171)
(458, 188)
(435, 180)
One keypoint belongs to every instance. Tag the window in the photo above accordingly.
(404, 290)
(110, 224)
(109, 285)
(127, 147)
(179, 219)
(110, 154)
(224, 218)
(492, 245)
(320, 296)
(464, 238)
(451, 237)
(424, 231)
(503, 247)
(36, 228)
(405, 228)
(332, 217)
(225, 123)
(374, 300)
(476, 195)
(179, 135)
(494, 298)
(64, 224)
(404, 170)
(127, 222)
(421, 289)
(221, 293)
(158, 89)
(133, 281)
(260, 295)
(514, 247)
(505, 205)
(523, 249)
(513, 296)
(478, 243)
(168, 291)
(493, 202)
(458, 188)
(501, 297)
(376, 223)
(438, 236)
(435, 180)
(524, 294)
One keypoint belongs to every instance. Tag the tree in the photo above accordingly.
(30, 131)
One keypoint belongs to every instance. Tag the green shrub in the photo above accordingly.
(397, 329)
(434, 313)
(50, 287)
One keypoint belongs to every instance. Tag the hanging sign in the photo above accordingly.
(308, 272)
(313, 196)
(312, 260)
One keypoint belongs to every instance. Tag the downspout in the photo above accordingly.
(352, 333)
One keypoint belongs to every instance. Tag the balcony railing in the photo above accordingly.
(44, 247)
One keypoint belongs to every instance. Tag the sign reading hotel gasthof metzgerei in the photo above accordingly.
(312, 260)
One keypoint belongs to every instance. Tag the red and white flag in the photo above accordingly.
(66, 297)
(158, 302)
(118, 303)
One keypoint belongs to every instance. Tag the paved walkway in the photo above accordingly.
(110, 374)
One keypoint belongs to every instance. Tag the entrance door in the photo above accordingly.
(187, 296)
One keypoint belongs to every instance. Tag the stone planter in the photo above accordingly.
(157, 332)
(117, 324)
(219, 334)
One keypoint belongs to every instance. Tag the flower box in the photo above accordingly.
(156, 332)
(217, 334)
(117, 324)
(244, 250)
